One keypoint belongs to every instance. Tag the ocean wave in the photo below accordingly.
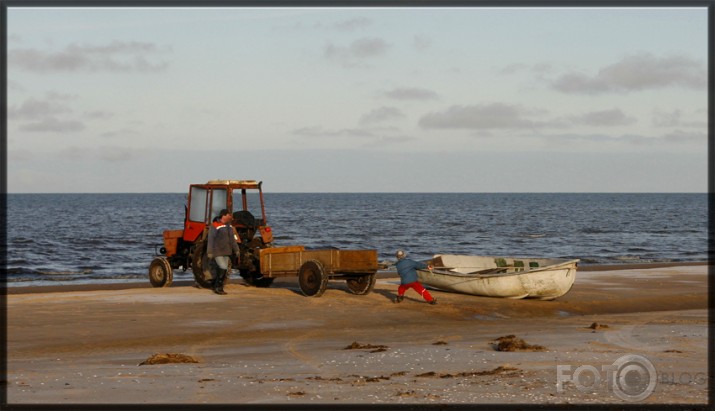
(20, 241)
(533, 235)
(636, 249)
(591, 260)
(66, 272)
(591, 230)
(694, 253)
(453, 224)
(15, 270)
(626, 257)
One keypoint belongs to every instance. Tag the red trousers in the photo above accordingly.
(417, 287)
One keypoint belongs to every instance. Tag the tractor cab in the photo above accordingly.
(244, 198)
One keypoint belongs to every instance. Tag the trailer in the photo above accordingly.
(314, 268)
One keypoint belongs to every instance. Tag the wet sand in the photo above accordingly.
(84, 345)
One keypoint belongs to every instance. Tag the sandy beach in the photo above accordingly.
(94, 345)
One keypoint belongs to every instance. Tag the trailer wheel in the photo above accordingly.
(312, 278)
(160, 272)
(361, 285)
(200, 266)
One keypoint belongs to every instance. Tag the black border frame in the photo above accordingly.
(4, 4)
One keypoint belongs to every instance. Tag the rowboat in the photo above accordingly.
(505, 277)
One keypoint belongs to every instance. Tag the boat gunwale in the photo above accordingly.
(557, 266)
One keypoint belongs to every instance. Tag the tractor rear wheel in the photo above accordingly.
(361, 285)
(160, 272)
(255, 279)
(264, 282)
(201, 267)
(312, 278)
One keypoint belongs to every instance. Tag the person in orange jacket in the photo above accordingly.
(222, 244)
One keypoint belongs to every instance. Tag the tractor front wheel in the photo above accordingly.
(160, 272)
(312, 278)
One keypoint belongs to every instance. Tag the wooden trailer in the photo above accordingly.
(315, 267)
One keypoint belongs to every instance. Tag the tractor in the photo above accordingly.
(186, 248)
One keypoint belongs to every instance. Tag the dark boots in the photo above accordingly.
(218, 281)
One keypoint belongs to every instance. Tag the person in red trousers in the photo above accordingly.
(407, 269)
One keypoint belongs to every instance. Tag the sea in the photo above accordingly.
(63, 239)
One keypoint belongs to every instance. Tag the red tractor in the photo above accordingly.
(187, 247)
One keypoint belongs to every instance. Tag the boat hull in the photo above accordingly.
(515, 278)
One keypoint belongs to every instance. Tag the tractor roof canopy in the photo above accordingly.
(250, 184)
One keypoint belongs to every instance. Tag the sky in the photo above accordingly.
(358, 99)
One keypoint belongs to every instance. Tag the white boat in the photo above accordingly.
(506, 277)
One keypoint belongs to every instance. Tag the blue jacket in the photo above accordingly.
(407, 269)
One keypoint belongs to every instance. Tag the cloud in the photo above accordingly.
(53, 95)
(677, 137)
(15, 86)
(636, 73)
(411, 93)
(501, 116)
(358, 51)
(115, 154)
(513, 68)
(674, 119)
(368, 47)
(538, 69)
(603, 138)
(381, 114)
(369, 137)
(18, 155)
(113, 57)
(318, 131)
(118, 133)
(349, 25)
(98, 114)
(33, 109)
(74, 153)
(53, 125)
(481, 116)
(353, 24)
(118, 154)
(614, 117)
(45, 115)
(421, 42)
(392, 141)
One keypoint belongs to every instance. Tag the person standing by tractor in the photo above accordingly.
(407, 269)
(222, 244)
